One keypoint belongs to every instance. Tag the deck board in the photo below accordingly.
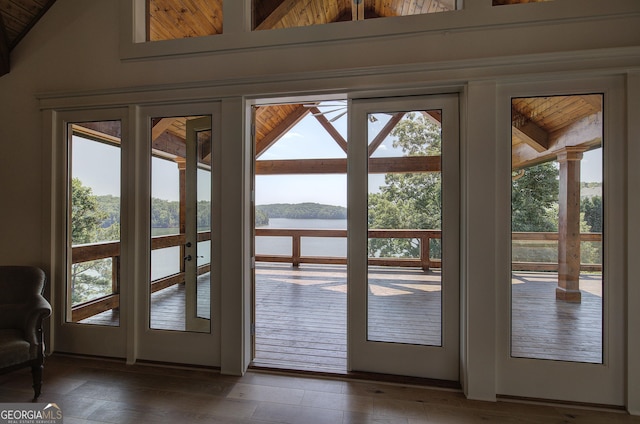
(301, 315)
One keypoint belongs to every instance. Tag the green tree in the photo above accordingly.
(591, 207)
(92, 279)
(262, 218)
(409, 200)
(86, 214)
(534, 199)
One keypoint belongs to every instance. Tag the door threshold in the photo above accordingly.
(355, 375)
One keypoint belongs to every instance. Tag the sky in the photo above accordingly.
(97, 165)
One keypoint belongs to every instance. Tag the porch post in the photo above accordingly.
(569, 226)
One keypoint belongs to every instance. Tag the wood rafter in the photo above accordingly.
(106, 131)
(357, 11)
(160, 126)
(586, 134)
(281, 129)
(339, 166)
(384, 132)
(529, 132)
(435, 116)
(333, 132)
(276, 16)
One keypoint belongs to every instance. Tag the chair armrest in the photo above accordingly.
(35, 313)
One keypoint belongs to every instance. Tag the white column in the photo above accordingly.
(478, 242)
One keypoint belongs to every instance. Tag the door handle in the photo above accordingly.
(187, 258)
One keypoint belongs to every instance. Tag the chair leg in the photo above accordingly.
(36, 372)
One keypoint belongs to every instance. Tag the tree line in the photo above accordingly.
(306, 210)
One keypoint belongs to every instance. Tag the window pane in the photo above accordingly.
(181, 149)
(405, 215)
(174, 19)
(503, 2)
(556, 202)
(270, 14)
(94, 189)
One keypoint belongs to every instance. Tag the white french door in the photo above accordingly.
(403, 268)
(91, 285)
(561, 329)
(179, 287)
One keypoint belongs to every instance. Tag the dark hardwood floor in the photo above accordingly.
(93, 391)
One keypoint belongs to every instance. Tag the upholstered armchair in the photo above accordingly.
(22, 309)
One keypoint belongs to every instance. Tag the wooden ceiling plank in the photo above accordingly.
(208, 13)
(17, 11)
(333, 132)
(171, 144)
(281, 129)
(593, 100)
(384, 132)
(24, 30)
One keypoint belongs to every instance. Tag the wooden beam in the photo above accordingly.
(276, 16)
(586, 133)
(105, 131)
(274, 135)
(5, 51)
(529, 132)
(339, 166)
(330, 128)
(170, 143)
(384, 132)
(357, 10)
(160, 126)
(435, 116)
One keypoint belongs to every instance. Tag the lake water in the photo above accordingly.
(165, 262)
(309, 246)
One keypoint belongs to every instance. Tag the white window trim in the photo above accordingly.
(238, 36)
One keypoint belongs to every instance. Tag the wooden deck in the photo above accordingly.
(301, 315)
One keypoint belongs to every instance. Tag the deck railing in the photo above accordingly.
(97, 251)
(111, 250)
(424, 261)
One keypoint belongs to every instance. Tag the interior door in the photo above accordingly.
(403, 181)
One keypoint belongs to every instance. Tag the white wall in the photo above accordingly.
(72, 58)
